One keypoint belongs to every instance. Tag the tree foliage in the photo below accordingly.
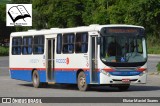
(71, 13)
(2, 13)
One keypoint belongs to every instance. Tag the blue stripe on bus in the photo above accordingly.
(21, 75)
(69, 77)
(125, 73)
(42, 75)
(26, 75)
(64, 76)
(60, 76)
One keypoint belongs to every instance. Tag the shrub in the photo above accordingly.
(4, 51)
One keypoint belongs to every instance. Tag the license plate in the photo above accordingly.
(125, 80)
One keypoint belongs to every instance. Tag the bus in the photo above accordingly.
(113, 55)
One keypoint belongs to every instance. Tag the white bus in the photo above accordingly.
(113, 55)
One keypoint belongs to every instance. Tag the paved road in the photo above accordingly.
(14, 88)
(152, 62)
(20, 88)
(4, 64)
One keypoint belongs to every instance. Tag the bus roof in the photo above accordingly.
(93, 27)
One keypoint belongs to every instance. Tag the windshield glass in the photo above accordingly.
(123, 45)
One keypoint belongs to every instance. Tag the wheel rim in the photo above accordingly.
(82, 81)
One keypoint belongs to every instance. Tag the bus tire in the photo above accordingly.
(36, 79)
(82, 85)
(124, 87)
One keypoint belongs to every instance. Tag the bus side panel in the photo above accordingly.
(69, 76)
(98, 73)
(87, 77)
(65, 77)
(25, 75)
(21, 67)
(42, 75)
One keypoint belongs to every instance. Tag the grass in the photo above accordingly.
(158, 67)
(4, 51)
(153, 44)
(153, 49)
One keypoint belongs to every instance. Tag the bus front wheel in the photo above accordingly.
(36, 79)
(82, 84)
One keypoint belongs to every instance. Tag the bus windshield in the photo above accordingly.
(123, 45)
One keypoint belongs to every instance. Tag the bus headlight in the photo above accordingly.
(104, 72)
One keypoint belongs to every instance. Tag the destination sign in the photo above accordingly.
(119, 30)
(127, 30)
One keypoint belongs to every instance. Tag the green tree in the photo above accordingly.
(96, 11)
(2, 13)
(21, 1)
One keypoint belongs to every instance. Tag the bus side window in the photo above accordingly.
(59, 43)
(81, 45)
(68, 43)
(27, 45)
(70, 48)
(38, 46)
(16, 45)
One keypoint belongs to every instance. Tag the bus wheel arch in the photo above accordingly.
(78, 71)
(81, 81)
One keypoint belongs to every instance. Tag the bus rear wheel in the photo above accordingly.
(36, 79)
(82, 84)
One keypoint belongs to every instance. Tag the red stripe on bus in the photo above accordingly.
(108, 69)
(28, 69)
(59, 69)
(44, 69)
(70, 69)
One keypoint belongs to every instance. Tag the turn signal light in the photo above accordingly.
(141, 69)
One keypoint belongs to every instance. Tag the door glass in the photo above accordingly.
(49, 70)
(53, 45)
(93, 57)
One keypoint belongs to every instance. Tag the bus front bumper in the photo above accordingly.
(111, 79)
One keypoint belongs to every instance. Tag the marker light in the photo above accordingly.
(142, 70)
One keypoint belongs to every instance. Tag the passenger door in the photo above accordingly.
(50, 59)
(93, 59)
